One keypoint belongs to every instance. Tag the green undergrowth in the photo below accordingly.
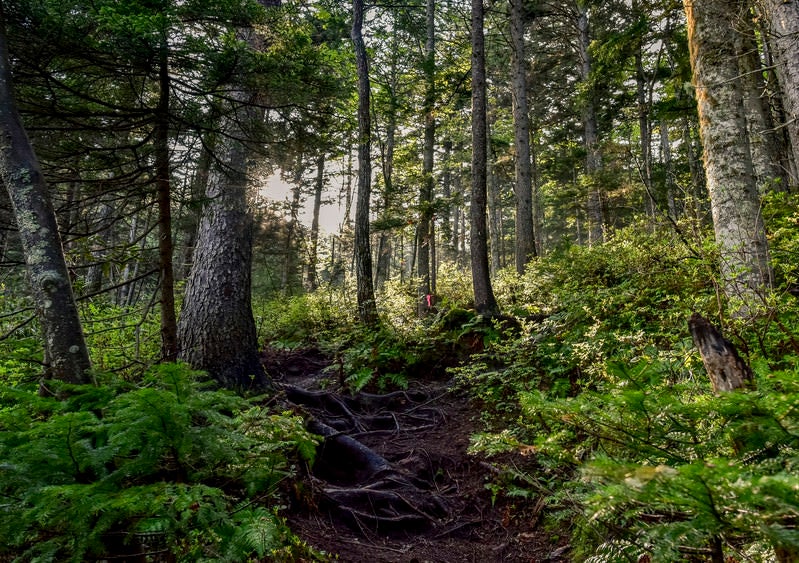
(90, 467)
(121, 340)
(611, 417)
(401, 348)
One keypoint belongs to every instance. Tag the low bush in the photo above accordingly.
(618, 429)
(199, 467)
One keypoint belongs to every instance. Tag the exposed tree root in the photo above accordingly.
(357, 484)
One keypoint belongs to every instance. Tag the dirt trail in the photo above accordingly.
(393, 481)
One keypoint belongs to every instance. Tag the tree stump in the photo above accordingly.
(726, 369)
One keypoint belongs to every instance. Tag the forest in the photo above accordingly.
(430, 280)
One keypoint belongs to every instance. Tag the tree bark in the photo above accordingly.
(367, 308)
(446, 214)
(484, 301)
(169, 323)
(726, 369)
(783, 26)
(317, 206)
(424, 229)
(668, 172)
(190, 222)
(788, 165)
(645, 132)
(538, 208)
(523, 188)
(65, 352)
(457, 218)
(385, 245)
(763, 143)
(714, 47)
(593, 160)
(217, 329)
(289, 268)
(494, 205)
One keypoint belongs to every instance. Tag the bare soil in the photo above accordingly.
(393, 481)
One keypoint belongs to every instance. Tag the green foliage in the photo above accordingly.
(380, 357)
(603, 393)
(121, 340)
(21, 359)
(582, 308)
(289, 322)
(166, 455)
(671, 466)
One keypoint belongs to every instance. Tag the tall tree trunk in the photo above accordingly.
(317, 206)
(169, 323)
(484, 301)
(131, 266)
(347, 191)
(783, 25)
(287, 275)
(593, 161)
(668, 172)
(216, 331)
(367, 308)
(763, 142)
(424, 230)
(99, 249)
(643, 97)
(692, 153)
(66, 355)
(384, 245)
(714, 47)
(523, 187)
(457, 212)
(538, 208)
(645, 133)
(788, 165)
(494, 207)
(433, 263)
(446, 193)
(191, 220)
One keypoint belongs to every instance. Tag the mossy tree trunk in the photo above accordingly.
(66, 353)
(715, 45)
(783, 37)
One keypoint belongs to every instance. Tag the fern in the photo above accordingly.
(359, 379)
(254, 531)
(123, 459)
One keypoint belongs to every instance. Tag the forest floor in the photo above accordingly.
(393, 481)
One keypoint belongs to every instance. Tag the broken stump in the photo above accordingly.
(726, 369)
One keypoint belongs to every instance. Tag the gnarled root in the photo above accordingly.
(357, 484)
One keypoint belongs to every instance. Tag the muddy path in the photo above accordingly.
(393, 481)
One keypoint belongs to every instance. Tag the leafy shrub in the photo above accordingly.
(199, 466)
(303, 320)
(583, 308)
(669, 467)
(605, 396)
(121, 340)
